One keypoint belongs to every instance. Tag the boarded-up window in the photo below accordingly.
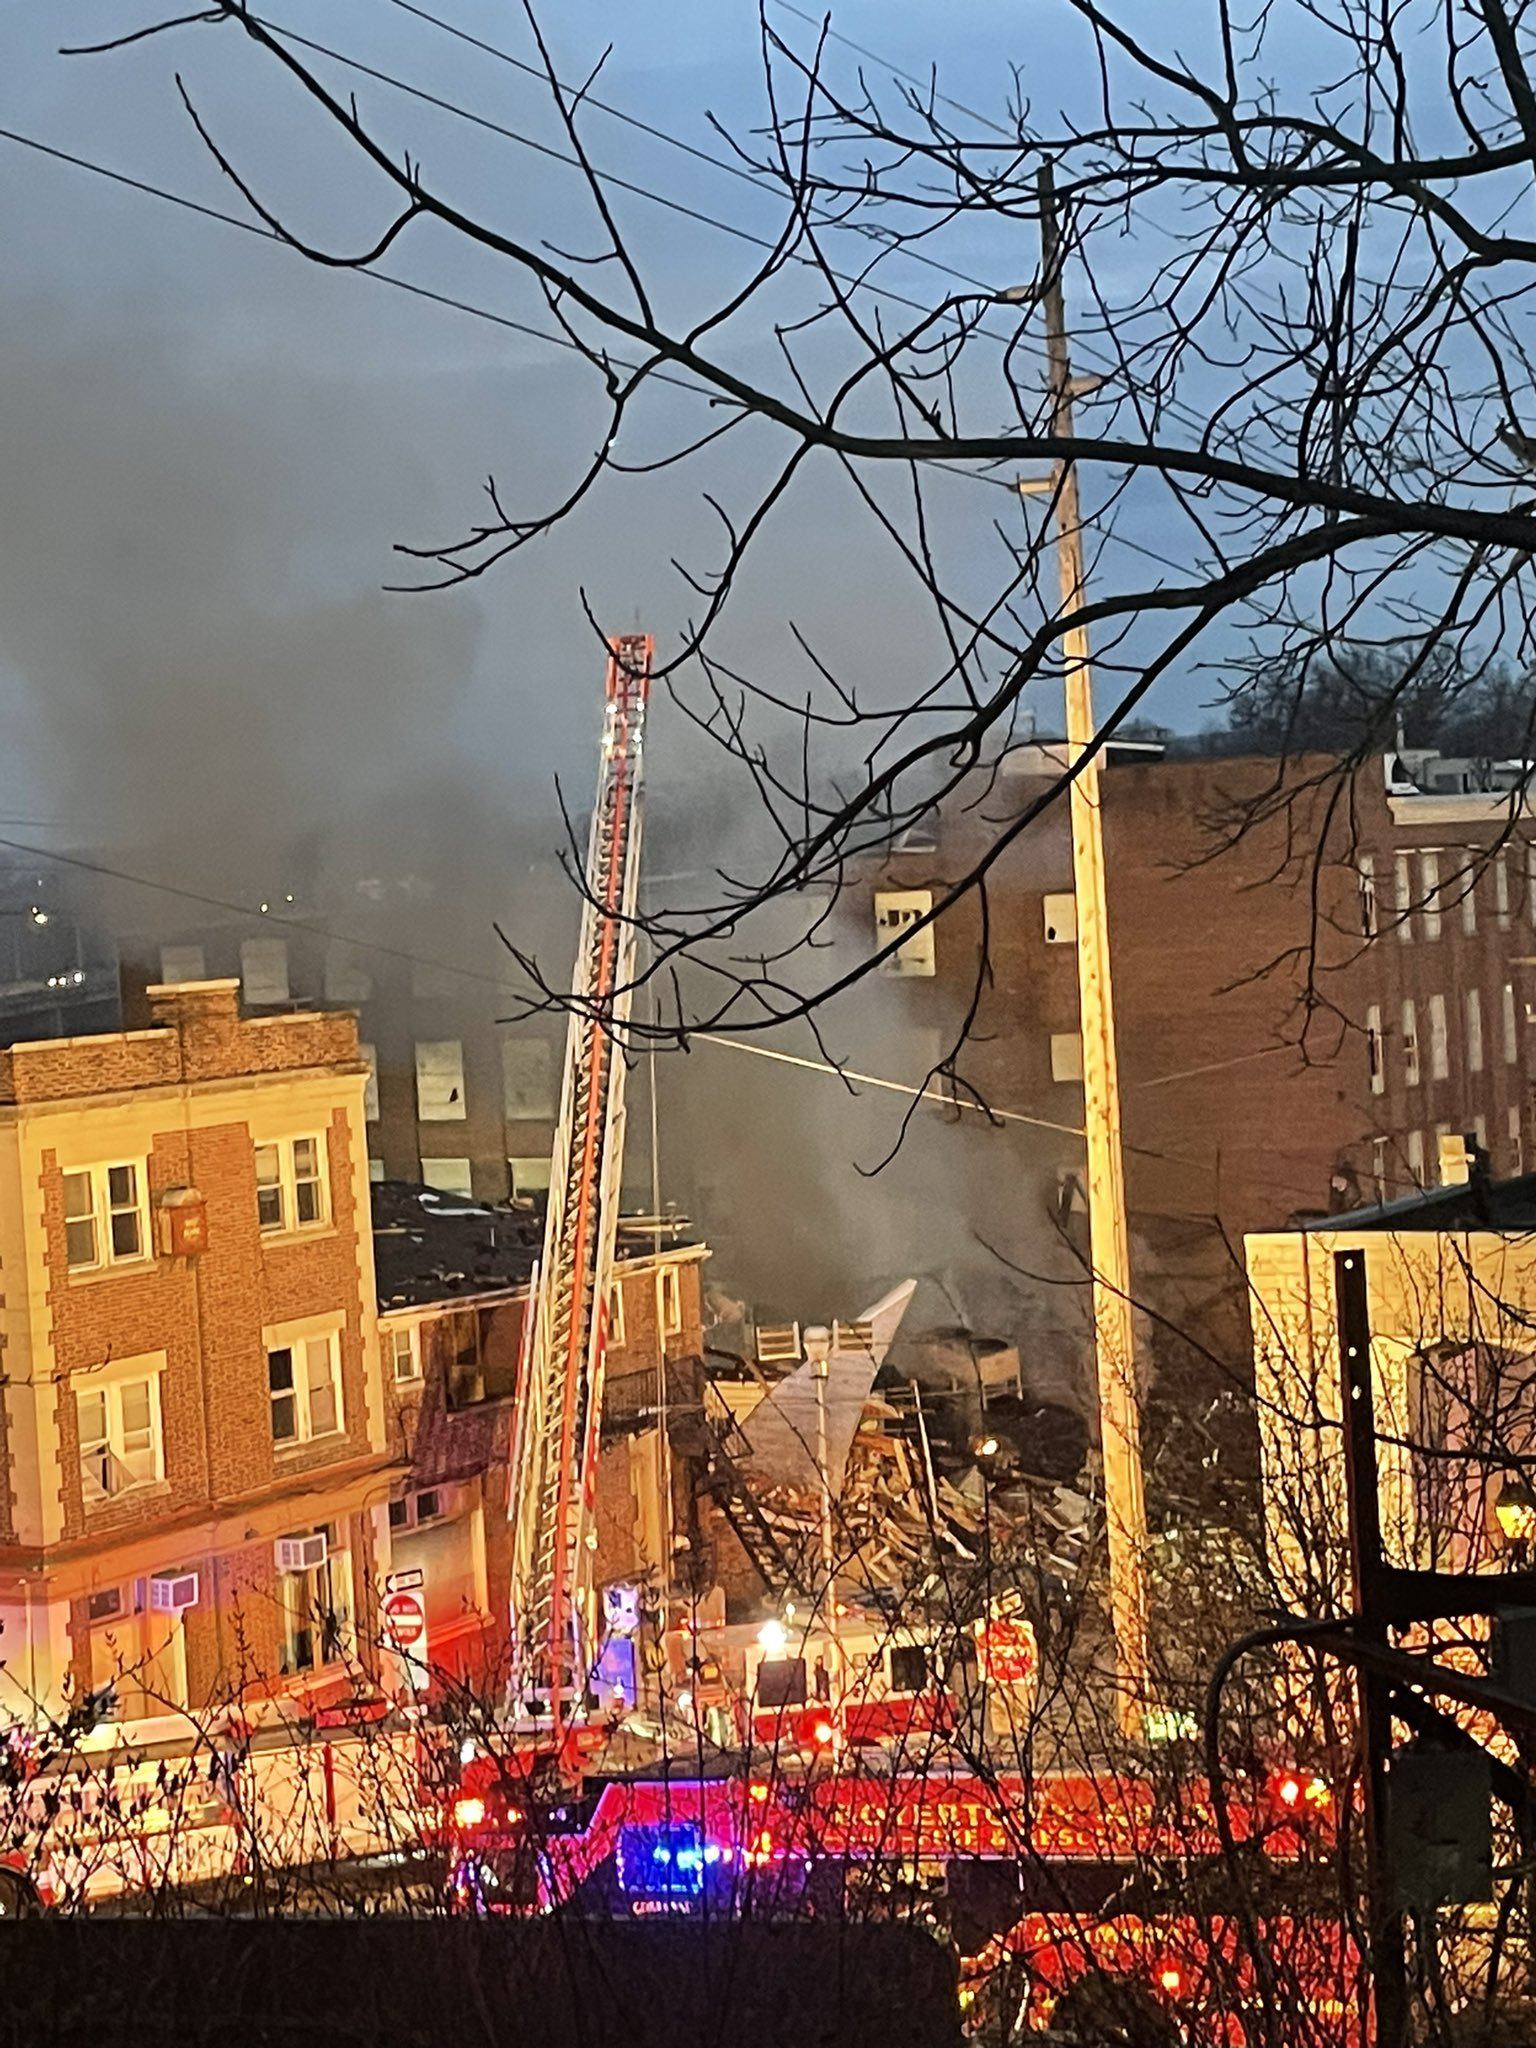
(264, 970)
(1066, 1056)
(895, 911)
(347, 979)
(528, 1072)
(530, 1176)
(371, 1087)
(182, 963)
(452, 1176)
(440, 1080)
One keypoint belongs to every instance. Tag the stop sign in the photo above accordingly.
(405, 1620)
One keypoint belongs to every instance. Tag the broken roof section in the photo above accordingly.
(431, 1247)
(781, 1429)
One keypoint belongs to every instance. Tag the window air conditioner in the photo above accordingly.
(301, 1553)
(173, 1592)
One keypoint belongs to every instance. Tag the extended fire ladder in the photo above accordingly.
(560, 1391)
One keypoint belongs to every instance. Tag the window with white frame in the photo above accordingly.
(290, 1184)
(376, 1170)
(419, 1510)
(616, 1315)
(118, 1422)
(1366, 872)
(1379, 1167)
(1410, 1046)
(404, 1353)
(669, 1300)
(1373, 1049)
(304, 1384)
(1466, 883)
(1429, 893)
(370, 1054)
(316, 1608)
(1501, 885)
(1060, 913)
(1402, 875)
(1507, 1013)
(1439, 1040)
(896, 911)
(440, 1080)
(1474, 1031)
(106, 1216)
(1516, 1142)
(264, 970)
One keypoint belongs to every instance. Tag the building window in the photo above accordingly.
(421, 1509)
(528, 1080)
(290, 1184)
(1403, 884)
(1060, 920)
(316, 1611)
(669, 1300)
(1516, 1143)
(616, 1315)
(1416, 1158)
(448, 1176)
(119, 1425)
(1501, 886)
(1474, 1031)
(404, 1353)
(371, 1085)
(1439, 1040)
(1467, 883)
(181, 963)
(106, 1222)
(1410, 1046)
(1366, 872)
(1429, 891)
(347, 980)
(440, 1081)
(1066, 1056)
(896, 911)
(530, 1176)
(304, 1380)
(1373, 1049)
(264, 970)
(1379, 1167)
(376, 1171)
(1507, 1011)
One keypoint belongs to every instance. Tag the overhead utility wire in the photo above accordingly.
(456, 305)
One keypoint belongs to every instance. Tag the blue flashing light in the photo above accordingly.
(662, 1862)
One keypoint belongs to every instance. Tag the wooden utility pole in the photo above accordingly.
(1108, 1235)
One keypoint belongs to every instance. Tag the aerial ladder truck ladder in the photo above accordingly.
(560, 1388)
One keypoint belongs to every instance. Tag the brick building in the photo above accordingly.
(453, 1296)
(196, 1446)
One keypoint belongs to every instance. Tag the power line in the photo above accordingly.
(612, 178)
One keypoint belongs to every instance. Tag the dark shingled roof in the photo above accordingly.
(430, 1246)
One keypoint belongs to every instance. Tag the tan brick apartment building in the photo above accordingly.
(195, 1432)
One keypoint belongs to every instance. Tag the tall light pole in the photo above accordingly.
(1125, 1506)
